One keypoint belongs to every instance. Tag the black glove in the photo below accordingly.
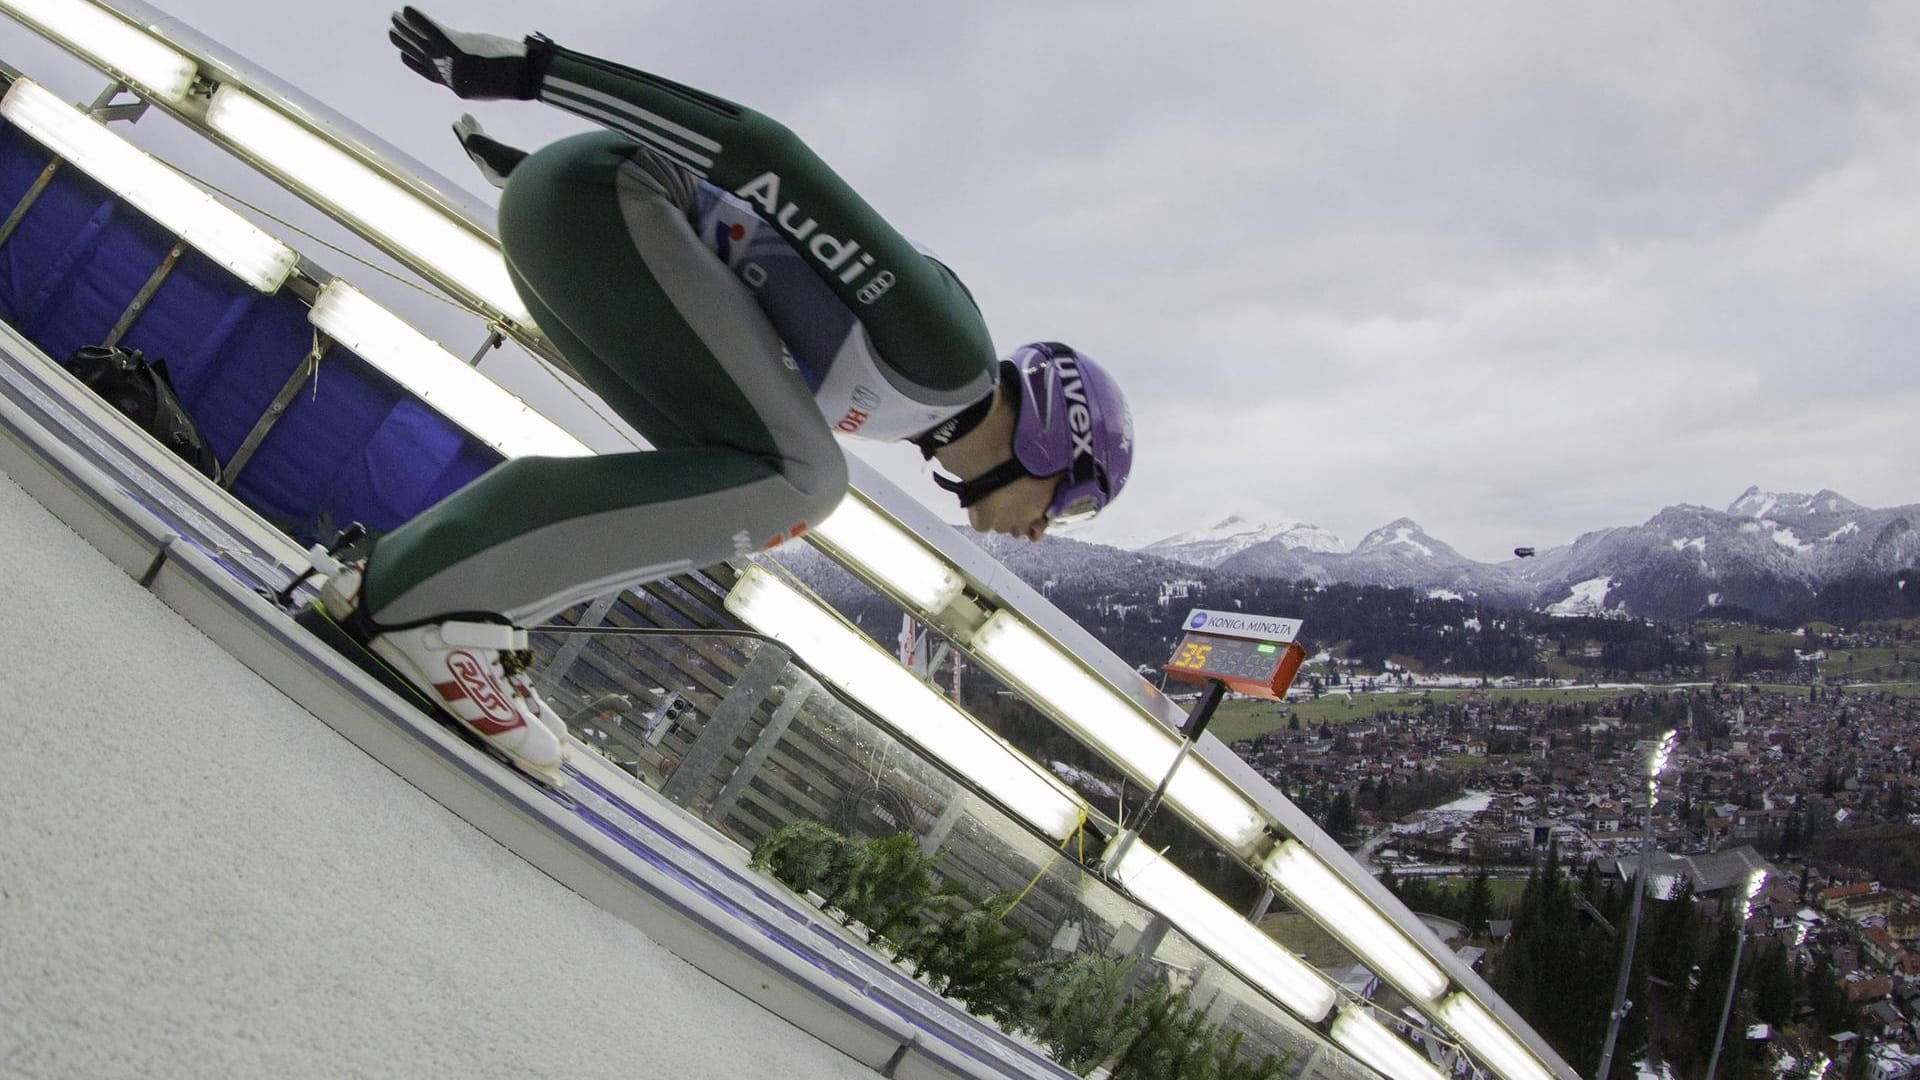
(496, 159)
(475, 66)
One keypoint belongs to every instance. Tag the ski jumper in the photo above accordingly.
(730, 297)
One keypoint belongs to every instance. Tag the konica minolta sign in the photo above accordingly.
(1237, 624)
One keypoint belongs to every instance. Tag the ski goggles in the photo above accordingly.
(1080, 495)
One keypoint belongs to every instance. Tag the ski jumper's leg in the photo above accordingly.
(597, 235)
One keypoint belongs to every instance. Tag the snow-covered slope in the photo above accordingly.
(200, 879)
(1215, 543)
(1584, 598)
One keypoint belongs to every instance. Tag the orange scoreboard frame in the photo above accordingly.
(1253, 655)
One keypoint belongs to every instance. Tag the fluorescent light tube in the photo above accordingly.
(889, 552)
(1388, 1054)
(1661, 754)
(1225, 933)
(856, 665)
(1490, 1041)
(1315, 888)
(1755, 882)
(158, 191)
(442, 379)
(1656, 765)
(1099, 716)
(379, 206)
(109, 42)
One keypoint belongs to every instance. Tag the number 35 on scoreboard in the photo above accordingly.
(1192, 655)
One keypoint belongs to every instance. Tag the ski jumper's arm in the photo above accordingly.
(918, 317)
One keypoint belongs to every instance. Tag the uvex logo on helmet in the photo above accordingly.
(1079, 415)
(1071, 419)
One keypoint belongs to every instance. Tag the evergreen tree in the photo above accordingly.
(986, 973)
(1554, 969)
(1831, 1013)
(806, 855)
(1771, 977)
(890, 879)
(936, 942)
(1340, 819)
(1479, 902)
(1075, 1010)
(1228, 1064)
(1672, 944)
(1170, 1038)
(1790, 836)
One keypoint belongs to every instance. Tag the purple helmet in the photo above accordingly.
(1073, 420)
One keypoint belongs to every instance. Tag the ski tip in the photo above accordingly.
(552, 781)
(552, 777)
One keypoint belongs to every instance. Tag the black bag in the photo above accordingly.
(127, 381)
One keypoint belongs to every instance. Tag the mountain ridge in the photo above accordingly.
(1445, 613)
(1767, 552)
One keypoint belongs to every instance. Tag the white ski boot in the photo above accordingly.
(475, 671)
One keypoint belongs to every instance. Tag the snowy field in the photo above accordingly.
(198, 879)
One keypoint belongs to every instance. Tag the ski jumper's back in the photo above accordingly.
(886, 336)
(730, 297)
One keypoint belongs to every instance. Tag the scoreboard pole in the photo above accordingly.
(1225, 650)
(1190, 733)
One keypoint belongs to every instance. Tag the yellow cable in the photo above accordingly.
(1079, 830)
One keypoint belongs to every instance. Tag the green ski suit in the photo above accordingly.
(731, 298)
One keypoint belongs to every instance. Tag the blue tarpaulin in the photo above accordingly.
(352, 446)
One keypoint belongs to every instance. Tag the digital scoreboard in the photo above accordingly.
(1253, 655)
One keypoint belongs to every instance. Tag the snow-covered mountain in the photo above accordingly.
(1398, 554)
(1216, 543)
(1794, 557)
(1754, 503)
(1768, 552)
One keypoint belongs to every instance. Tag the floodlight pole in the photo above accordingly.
(1726, 1008)
(1619, 1012)
(1733, 977)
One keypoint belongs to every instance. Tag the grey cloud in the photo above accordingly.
(1512, 270)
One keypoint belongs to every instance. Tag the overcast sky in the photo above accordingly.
(1516, 271)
